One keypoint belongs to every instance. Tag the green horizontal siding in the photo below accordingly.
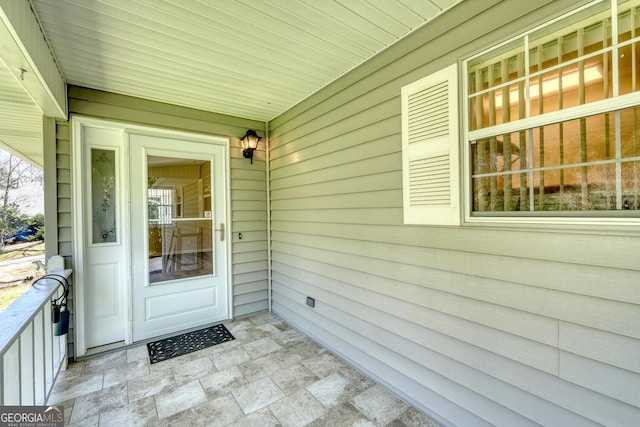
(475, 324)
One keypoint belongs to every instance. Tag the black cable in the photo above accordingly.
(61, 300)
(65, 286)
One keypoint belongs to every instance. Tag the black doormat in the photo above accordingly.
(187, 343)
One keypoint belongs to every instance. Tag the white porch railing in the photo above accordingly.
(30, 354)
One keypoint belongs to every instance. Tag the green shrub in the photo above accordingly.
(36, 222)
(11, 222)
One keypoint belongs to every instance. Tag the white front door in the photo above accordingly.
(149, 244)
(178, 247)
(104, 236)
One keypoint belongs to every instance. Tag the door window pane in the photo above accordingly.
(180, 249)
(179, 218)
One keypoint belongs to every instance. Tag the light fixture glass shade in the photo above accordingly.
(249, 144)
(250, 140)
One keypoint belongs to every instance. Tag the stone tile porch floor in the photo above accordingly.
(270, 375)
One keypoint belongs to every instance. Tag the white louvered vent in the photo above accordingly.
(429, 113)
(430, 150)
(429, 181)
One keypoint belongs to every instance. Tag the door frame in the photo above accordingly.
(77, 123)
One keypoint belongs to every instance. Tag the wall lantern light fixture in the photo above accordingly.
(249, 144)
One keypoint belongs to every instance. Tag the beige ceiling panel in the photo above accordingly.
(249, 58)
(232, 33)
(409, 13)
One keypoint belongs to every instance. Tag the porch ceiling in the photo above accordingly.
(20, 120)
(248, 58)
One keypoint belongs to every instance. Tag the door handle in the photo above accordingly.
(221, 230)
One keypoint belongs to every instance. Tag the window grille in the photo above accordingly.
(161, 207)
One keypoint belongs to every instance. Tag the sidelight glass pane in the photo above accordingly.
(180, 223)
(103, 195)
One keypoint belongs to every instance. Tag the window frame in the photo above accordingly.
(537, 218)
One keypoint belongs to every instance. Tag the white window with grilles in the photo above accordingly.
(161, 206)
(552, 120)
